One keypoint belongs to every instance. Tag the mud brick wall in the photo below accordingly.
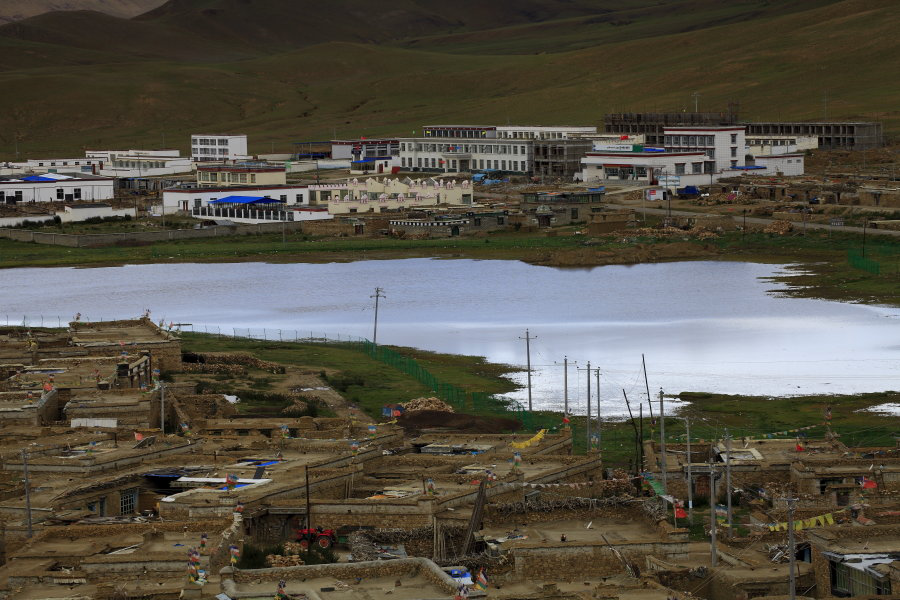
(74, 532)
(624, 513)
(562, 562)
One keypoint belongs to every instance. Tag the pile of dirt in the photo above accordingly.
(779, 227)
(430, 404)
(432, 419)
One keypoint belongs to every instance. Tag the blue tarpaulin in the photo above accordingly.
(244, 200)
(38, 178)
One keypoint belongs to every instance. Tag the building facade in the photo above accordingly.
(780, 144)
(217, 147)
(241, 175)
(850, 135)
(187, 198)
(56, 187)
(364, 148)
(724, 146)
(466, 148)
(141, 163)
(651, 125)
(646, 168)
(377, 195)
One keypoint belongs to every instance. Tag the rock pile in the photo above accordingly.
(290, 558)
(431, 403)
(779, 227)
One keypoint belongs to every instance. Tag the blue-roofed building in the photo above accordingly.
(55, 187)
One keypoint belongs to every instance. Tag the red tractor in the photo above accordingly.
(325, 538)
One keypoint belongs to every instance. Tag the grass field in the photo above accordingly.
(134, 84)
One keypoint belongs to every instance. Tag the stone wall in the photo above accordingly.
(565, 562)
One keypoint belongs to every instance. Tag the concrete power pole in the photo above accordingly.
(662, 441)
(690, 481)
(599, 431)
(566, 386)
(528, 337)
(379, 293)
(714, 556)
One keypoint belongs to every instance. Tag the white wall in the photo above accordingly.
(788, 165)
(170, 167)
(234, 146)
(76, 215)
(90, 190)
(185, 198)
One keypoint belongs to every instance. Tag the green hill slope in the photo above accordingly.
(776, 65)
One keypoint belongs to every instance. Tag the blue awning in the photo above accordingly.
(245, 200)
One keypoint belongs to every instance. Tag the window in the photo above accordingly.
(299, 199)
(242, 177)
(419, 162)
(283, 197)
(679, 168)
(733, 151)
(501, 221)
(734, 163)
(252, 177)
(496, 164)
(77, 193)
(515, 149)
(696, 168)
(503, 164)
(612, 171)
(734, 138)
(574, 214)
(40, 164)
(59, 193)
(223, 142)
(128, 501)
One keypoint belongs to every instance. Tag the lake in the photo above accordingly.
(703, 326)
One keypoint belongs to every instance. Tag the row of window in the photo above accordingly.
(65, 163)
(208, 142)
(471, 148)
(137, 164)
(207, 151)
(432, 163)
(532, 135)
(225, 177)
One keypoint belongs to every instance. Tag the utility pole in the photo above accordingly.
(647, 386)
(690, 479)
(696, 96)
(588, 417)
(728, 481)
(308, 511)
(29, 531)
(162, 408)
(379, 293)
(566, 386)
(714, 557)
(662, 440)
(599, 429)
(528, 337)
(792, 549)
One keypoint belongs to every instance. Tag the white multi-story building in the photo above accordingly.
(206, 147)
(55, 187)
(378, 195)
(780, 144)
(464, 148)
(55, 165)
(364, 148)
(140, 163)
(724, 145)
(645, 168)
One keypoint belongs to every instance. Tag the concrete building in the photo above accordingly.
(646, 168)
(850, 135)
(724, 146)
(241, 174)
(140, 163)
(257, 209)
(377, 195)
(55, 165)
(559, 159)
(780, 144)
(188, 197)
(465, 148)
(55, 187)
(364, 148)
(206, 147)
(651, 125)
(780, 164)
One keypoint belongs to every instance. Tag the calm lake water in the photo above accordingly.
(703, 326)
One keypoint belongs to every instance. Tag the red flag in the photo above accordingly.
(623, 137)
(138, 436)
(868, 484)
(565, 418)
(680, 513)
(799, 448)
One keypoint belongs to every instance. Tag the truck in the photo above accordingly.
(688, 191)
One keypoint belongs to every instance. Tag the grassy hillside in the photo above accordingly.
(776, 63)
(14, 10)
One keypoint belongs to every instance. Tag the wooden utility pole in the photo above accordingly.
(28, 525)
(308, 508)
(566, 386)
(728, 481)
(528, 337)
(588, 414)
(792, 549)
(662, 441)
(379, 293)
(637, 444)
(647, 385)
